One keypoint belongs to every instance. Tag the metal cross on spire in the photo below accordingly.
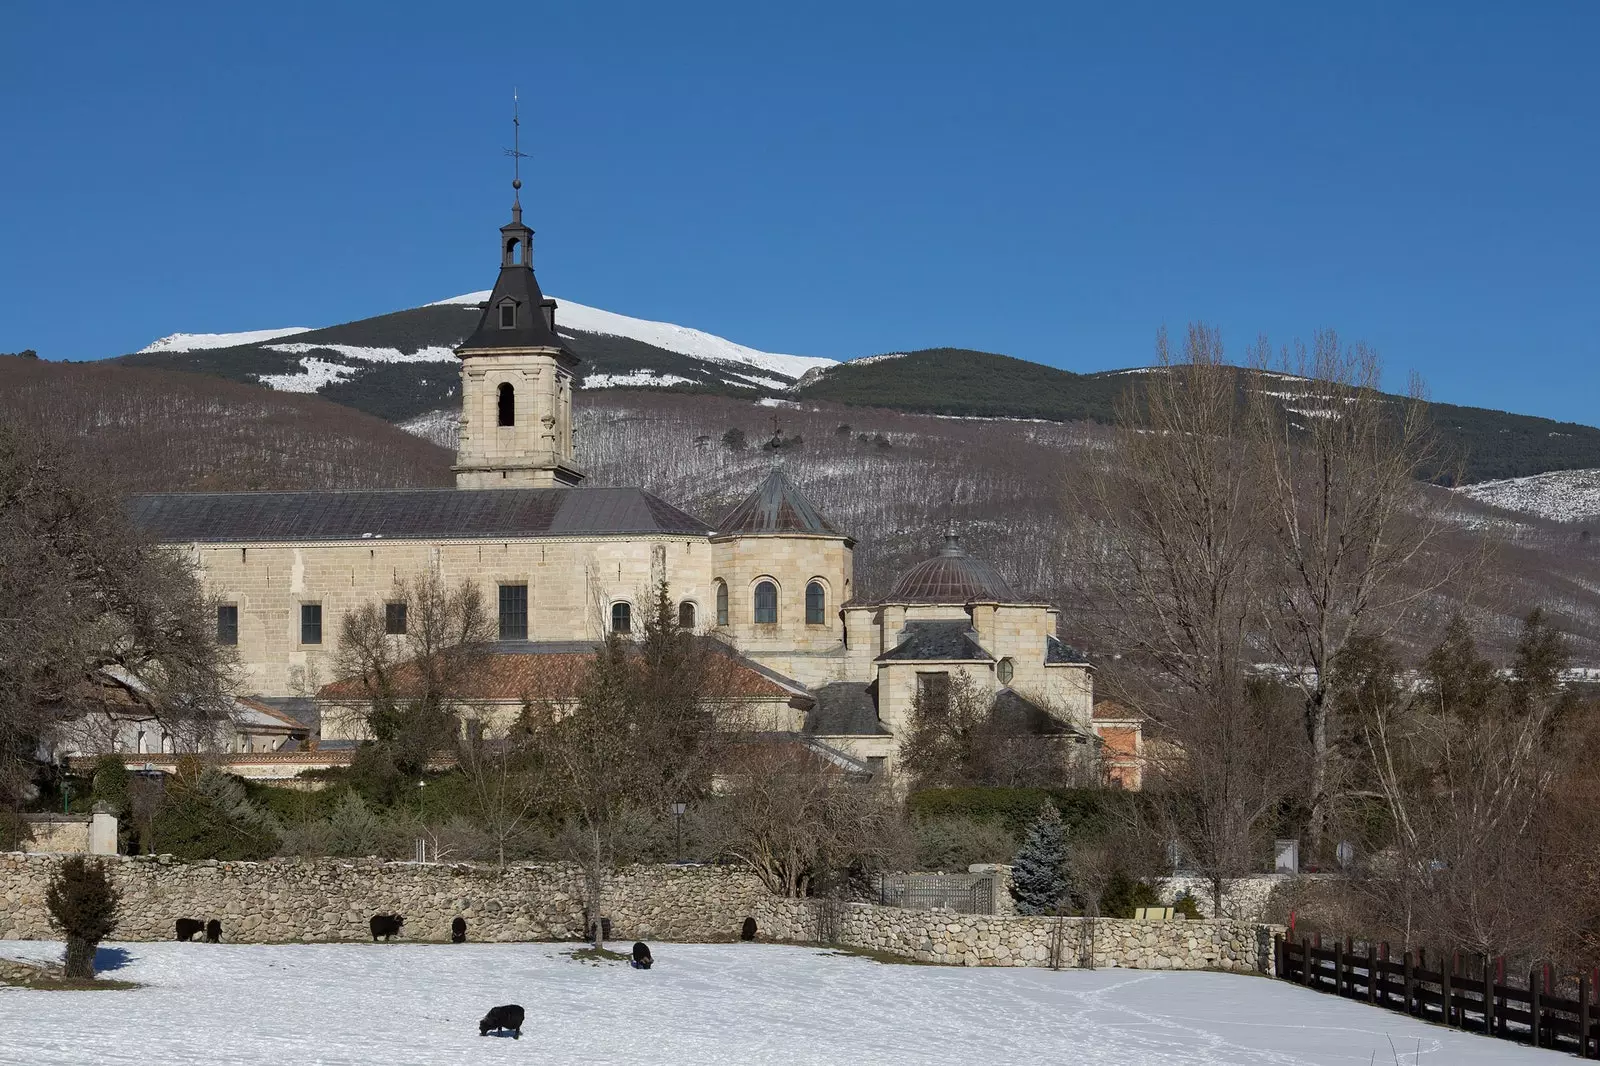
(515, 151)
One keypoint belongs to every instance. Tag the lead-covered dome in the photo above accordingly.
(952, 576)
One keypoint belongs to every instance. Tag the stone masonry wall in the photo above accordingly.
(332, 899)
(983, 940)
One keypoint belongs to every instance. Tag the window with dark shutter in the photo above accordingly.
(621, 618)
(513, 612)
(394, 619)
(685, 615)
(227, 623)
(508, 315)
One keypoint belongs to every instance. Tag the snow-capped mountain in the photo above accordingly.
(402, 365)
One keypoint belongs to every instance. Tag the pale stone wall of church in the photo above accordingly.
(810, 654)
(572, 583)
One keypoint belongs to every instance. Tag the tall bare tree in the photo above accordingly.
(1351, 526)
(81, 593)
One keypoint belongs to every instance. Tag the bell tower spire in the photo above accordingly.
(516, 373)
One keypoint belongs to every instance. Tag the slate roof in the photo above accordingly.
(940, 641)
(1057, 653)
(845, 709)
(777, 506)
(242, 517)
(953, 576)
(1018, 714)
(517, 282)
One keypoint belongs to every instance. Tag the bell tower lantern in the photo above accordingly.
(516, 378)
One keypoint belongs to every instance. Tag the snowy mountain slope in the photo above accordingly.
(194, 342)
(1560, 495)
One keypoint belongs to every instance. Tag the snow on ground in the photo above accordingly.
(680, 339)
(435, 354)
(312, 375)
(706, 1005)
(193, 342)
(637, 379)
(1564, 495)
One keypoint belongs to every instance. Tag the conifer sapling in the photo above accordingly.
(83, 905)
(1039, 881)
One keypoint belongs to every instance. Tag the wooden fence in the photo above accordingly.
(1463, 992)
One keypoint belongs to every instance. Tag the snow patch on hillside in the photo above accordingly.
(312, 375)
(441, 427)
(694, 343)
(637, 379)
(884, 358)
(194, 342)
(1561, 495)
(436, 354)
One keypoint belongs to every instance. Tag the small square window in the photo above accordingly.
(227, 623)
(311, 623)
(394, 619)
(508, 315)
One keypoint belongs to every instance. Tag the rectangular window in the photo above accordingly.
(311, 623)
(508, 315)
(513, 612)
(933, 690)
(227, 623)
(394, 619)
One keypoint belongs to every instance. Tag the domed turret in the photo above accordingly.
(952, 576)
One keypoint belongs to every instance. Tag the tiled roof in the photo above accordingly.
(937, 642)
(777, 506)
(525, 670)
(953, 576)
(242, 517)
(1057, 653)
(845, 709)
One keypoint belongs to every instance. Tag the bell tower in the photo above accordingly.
(516, 376)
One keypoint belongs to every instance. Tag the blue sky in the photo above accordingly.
(1051, 181)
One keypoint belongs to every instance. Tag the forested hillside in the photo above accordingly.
(159, 430)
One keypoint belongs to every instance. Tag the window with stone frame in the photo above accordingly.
(933, 689)
(227, 623)
(766, 604)
(816, 604)
(621, 617)
(513, 612)
(686, 615)
(394, 619)
(311, 623)
(722, 603)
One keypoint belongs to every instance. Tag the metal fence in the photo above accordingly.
(962, 893)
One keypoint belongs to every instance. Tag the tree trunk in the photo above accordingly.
(80, 958)
(1317, 715)
(599, 929)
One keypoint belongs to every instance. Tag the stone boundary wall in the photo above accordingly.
(283, 900)
(60, 833)
(984, 940)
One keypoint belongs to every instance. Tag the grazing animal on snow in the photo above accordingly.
(641, 957)
(502, 1018)
(458, 931)
(213, 932)
(747, 931)
(386, 926)
(189, 928)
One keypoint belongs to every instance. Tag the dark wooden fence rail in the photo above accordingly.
(1471, 993)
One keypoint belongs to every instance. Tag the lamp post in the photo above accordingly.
(677, 827)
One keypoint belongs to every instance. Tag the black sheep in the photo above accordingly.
(458, 931)
(213, 932)
(385, 925)
(189, 928)
(641, 957)
(747, 931)
(502, 1018)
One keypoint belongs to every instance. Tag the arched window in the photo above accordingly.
(816, 604)
(512, 247)
(621, 618)
(766, 603)
(722, 603)
(508, 404)
(685, 615)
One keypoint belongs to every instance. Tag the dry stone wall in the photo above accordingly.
(332, 899)
(984, 940)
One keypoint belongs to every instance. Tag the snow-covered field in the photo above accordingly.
(702, 1004)
(1563, 495)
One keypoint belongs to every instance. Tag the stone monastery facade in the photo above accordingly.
(561, 562)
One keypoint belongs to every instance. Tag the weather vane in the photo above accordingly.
(515, 151)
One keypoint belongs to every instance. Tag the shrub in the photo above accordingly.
(83, 905)
(1185, 905)
(1087, 813)
(208, 816)
(1123, 895)
(111, 781)
(953, 844)
(14, 832)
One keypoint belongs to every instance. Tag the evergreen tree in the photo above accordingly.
(83, 905)
(1039, 881)
(208, 815)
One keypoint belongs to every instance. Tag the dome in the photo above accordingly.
(952, 576)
